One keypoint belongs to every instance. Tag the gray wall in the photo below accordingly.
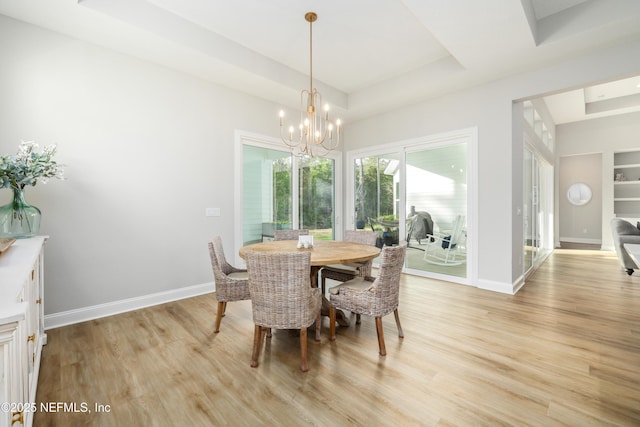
(148, 149)
(489, 107)
(580, 224)
(605, 135)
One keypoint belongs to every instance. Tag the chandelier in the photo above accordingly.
(316, 135)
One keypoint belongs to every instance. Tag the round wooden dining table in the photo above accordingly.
(323, 252)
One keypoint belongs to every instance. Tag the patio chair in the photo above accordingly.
(446, 248)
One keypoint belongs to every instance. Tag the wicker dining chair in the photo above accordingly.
(289, 234)
(344, 272)
(282, 297)
(372, 296)
(232, 284)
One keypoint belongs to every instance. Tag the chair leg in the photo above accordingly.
(357, 318)
(257, 343)
(318, 326)
(224, 309)
(332, 323)
(304, 367)
(323, 282)
(383, 350)
(400, 333)
(268, 332)
(221, 306)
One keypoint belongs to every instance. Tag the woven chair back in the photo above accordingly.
(289, 234)
(280, 288)
(387, 283)
(364, 237)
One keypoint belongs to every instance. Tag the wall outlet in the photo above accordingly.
(212, 212)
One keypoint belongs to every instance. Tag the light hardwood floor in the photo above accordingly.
(564, 351)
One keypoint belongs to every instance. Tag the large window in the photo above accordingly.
(537, 189)
(419, 191)
(376, 206)
(316, 199)
(279, 190)
(537, 208)
(267, 196)
(437, 209)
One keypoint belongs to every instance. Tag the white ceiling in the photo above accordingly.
(601, 100)
(368, 56)
(545, 8)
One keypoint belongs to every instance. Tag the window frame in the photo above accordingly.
(243, 138)
(401, 148)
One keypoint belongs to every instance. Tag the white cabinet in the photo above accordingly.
(626, 184)
(21, 329)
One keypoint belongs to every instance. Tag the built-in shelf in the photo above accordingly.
(627, 166)
(626, 189)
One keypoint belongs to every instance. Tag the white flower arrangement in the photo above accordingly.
(27, 167)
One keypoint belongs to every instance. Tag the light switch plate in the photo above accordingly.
(212, 212)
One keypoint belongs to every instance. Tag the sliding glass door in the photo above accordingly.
(316, 196)
(267, 194)
(280, 190)
(420, 192)
(530, 209)
(376, 196)
(537, 207)
(436, 195)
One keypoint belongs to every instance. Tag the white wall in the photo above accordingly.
(489, 107)
(605, 135)
(457, 111)
(147, 149)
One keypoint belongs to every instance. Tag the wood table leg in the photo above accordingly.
(341, 318)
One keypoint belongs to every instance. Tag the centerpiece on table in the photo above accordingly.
(18, 219)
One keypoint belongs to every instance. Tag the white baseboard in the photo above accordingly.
(580, 240)
(84, 314)
(504, 288)
(518, 284)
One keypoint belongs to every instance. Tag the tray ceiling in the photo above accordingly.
(368, 57)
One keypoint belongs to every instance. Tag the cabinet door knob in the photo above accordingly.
(31, 337)
(39, 301)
